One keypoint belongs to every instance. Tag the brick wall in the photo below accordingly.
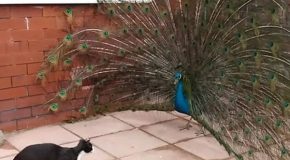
(26, 34)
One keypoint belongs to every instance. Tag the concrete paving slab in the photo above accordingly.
(170, 131)
(101, 126)
(126, 143)
(48, 134)
(205, 147)
(7, 152)
(141, 118)
(8, 158)
(162, 153)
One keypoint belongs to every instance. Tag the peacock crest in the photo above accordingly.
(235, 62)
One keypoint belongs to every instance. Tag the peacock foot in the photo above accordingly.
(187, 127)
(200, 132)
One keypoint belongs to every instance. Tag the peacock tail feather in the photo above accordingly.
(234, 54)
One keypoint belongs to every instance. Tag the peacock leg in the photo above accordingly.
(187, 126)
(201, 130)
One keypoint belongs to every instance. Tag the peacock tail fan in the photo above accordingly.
(235, 54)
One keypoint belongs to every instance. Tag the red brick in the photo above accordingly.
(61, 22)
(3, 48)
(46, 119)
(5, 24)
(82, 93)
(54, 33)
(5, 36)
(16, 47)
(31, 122)
(28, 57)
(12, 93)
(42, 45)
(40, 110)
(84, 10)
(24, 57)
(58, 76)
(24, 80)
(15, 114)
(22, 35)
(8, 126)
(26, 11)
(42, 22)
(33, 68)
(30, 101)
(35, 90)
(53, 11)
(5, 83)
(7, 105)
(39, 89)
(12, 70)
(79, 21)
(4, 12)
(51, 87)
(71, 105)
(5, 59)
(16, 23)
(77, 11)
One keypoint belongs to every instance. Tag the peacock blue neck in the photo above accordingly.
(181, 102)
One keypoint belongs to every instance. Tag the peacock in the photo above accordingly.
(225, 63)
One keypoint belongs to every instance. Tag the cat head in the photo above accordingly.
(86, 145)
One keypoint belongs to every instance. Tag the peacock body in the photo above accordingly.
(230, 59)
(182, 103)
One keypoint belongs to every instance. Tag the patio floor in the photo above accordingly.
(125, 136)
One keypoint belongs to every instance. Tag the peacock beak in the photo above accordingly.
(175, 81)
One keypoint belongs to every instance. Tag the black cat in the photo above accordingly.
(49, 151)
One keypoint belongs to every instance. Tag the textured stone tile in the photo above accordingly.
(170, 131)
(97, 127)
(48, 134)
(162, 153)
(95, 154)
(179, 114)
(204, 147)
(8, 158)
(7, 152)
(126, 143)
(141, 118)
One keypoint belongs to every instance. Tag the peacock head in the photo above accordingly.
(178, 76)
